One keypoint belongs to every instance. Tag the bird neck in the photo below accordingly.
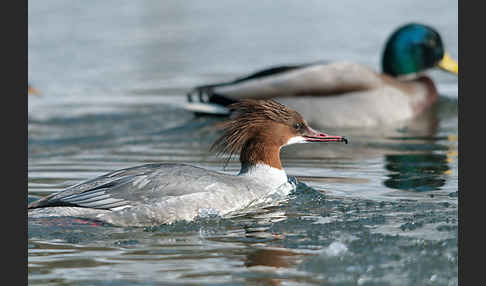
(257, 152)
(269, 175)
(262, 161)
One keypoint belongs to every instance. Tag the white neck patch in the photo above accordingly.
(269, 175)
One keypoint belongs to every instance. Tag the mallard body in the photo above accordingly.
(347, 94)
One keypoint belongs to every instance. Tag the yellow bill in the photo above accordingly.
(449, 64)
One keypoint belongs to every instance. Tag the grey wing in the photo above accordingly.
(132, 186)
(208, 94)
(100, 192)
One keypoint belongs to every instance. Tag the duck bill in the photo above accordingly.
(448, 64)
(317, 136)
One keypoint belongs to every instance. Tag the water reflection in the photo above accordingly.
(271, 258)
(416, 172)
(424, 171)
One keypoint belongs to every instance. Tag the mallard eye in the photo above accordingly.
(298, 126)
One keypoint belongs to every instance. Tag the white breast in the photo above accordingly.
(267, 175)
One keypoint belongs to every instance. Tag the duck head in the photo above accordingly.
(260, 128)
(413, 48)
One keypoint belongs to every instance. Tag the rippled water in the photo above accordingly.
(381, 210)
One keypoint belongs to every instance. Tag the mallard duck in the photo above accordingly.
(343, 93)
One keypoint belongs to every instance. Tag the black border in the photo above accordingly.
(471, 50)
(14, 127)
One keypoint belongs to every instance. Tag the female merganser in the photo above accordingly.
(155, 194)
(345, 94)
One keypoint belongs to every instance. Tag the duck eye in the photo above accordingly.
(298, 126)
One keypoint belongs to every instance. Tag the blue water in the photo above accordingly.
(381, 210)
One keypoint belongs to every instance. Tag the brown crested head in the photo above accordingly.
(259, 128)
(256, 120)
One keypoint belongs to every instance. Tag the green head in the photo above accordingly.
(414, 48)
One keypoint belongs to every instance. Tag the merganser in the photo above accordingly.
(155, 194)
(345, 94)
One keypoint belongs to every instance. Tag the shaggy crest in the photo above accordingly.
(248, 115)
